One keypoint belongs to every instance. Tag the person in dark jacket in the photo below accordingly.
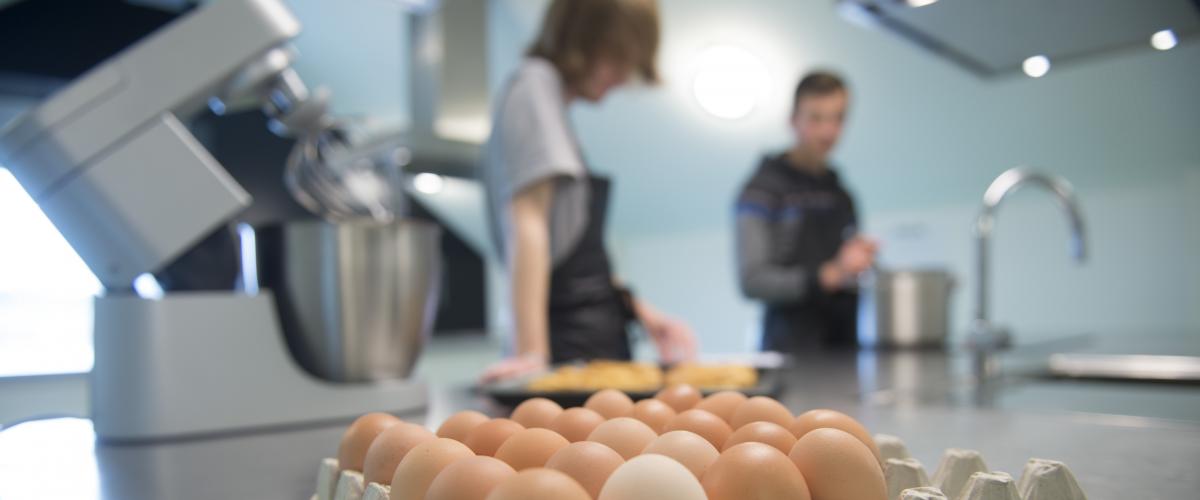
(798, 245)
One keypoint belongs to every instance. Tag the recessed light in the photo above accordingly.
(920, 3)
(428, 183)
(1036, 66)
(147, 287)
(1164, 40)
(730, 81)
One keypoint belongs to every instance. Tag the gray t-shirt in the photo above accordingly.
(532, 141)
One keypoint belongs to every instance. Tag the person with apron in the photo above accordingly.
(547, 209)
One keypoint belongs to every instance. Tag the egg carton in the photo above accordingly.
(963, 475)
(333, 484)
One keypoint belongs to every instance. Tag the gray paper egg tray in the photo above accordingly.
(961, 475)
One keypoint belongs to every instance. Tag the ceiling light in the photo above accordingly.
(1036, 66)
(730, 81)
(428, 183)
(147, 287)
(1164, 40)
(920, 3)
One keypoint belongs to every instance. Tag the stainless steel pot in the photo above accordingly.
(905, 308)
(362, 295)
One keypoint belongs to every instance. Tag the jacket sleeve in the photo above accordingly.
(759, 274)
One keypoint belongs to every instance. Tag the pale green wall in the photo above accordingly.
(924, 140)
(359, 50)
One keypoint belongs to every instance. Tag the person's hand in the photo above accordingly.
(856, 256)
(513, 367)
(674, 339)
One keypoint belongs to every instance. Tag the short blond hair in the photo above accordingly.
(575, 33)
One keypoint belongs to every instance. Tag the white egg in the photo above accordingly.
(652, 477)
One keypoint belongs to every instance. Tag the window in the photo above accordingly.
(45, 292)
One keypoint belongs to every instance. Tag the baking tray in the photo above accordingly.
(513, 391)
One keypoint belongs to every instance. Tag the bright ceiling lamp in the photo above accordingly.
(428, 183)
(1036, 66)
(920, 3)
(1164, 40)
(729, 82)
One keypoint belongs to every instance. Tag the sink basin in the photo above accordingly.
(1135, 358)
(1152, 376)
(1140, 367)
(911, 380)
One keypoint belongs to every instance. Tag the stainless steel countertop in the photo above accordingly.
(916, 396)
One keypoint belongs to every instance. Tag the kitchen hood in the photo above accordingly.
(448, 100)
(993, 38)
(450, 112)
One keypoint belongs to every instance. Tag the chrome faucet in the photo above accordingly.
(984, 336)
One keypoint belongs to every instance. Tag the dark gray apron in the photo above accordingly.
(589, 314)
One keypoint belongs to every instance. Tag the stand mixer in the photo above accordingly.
(129, 187)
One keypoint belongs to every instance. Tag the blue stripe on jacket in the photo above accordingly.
(761, 211)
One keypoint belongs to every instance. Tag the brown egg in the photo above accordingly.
(460, 424)
(588, 463)
(610, 403)
(539, 483)
(487, 437)
(722, 404)
(687, 448)
(654, 413)
(816, 419)
(707, 425)
(358, 437)
(536, 412)
(627, 436)
(471, 478)
(680, 397)
(389, 448)
(576, 424)
(765, 433)
(423, 463)
(761, 409)
(531, 448)
(754, 471)
(838, 466)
